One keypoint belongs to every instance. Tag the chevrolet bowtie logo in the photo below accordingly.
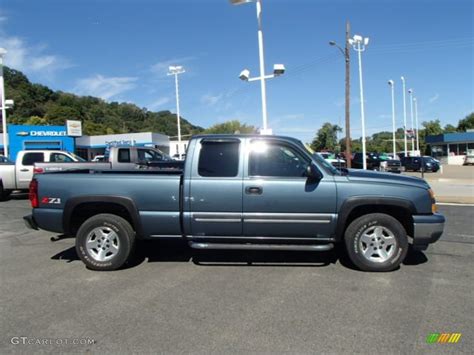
(23, 134)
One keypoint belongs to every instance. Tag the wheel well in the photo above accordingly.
(84, 211)
(401, 214)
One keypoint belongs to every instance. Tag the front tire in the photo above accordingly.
(105, 242)
(376, 242)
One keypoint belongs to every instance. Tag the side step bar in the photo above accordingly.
(292, 247)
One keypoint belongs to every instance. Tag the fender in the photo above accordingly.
(356, 201)
(124, 202)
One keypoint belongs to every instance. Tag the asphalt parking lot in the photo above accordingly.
(175, 300)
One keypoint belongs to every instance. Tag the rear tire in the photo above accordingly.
(376, 242)
(4, 194)
(105, 242)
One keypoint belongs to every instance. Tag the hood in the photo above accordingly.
(387, 178)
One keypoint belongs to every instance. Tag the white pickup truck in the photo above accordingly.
(17, 176)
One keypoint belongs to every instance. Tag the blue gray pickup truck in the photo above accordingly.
(243, 192)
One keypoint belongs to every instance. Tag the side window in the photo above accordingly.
(124, 155)
(277, 160)
(219, 159)
(32, 158)
(59, 158)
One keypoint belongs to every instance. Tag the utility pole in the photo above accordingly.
(347, 57)
(348, 154)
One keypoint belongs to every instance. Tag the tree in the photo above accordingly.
(432, 128)
(449, 128)
(466, 123)
(231, 127)
(326, 137)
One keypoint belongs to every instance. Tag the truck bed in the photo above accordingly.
(155, 194)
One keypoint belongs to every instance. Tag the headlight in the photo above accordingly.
(434, 207)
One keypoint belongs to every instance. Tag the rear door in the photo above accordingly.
(279, 200)
(24, 168)
(215, 194)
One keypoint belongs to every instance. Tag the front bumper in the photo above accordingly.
(427, 229)
(30, 222)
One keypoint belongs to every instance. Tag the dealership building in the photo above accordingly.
(451, 148)
(27, 137)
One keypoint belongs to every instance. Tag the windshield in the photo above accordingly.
(77, 157)
(317, 157)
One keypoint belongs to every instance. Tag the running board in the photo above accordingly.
(286, 247)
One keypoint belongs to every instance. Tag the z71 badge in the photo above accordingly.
(51, 200)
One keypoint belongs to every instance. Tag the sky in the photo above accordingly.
(120, 50)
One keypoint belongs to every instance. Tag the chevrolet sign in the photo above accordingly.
(23, 134)
(47, 133)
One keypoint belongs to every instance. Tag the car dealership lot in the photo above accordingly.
(177, 300)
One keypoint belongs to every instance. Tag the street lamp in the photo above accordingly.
(392, 86)
(410, 91)
(176, 70)
(404, 117)
(416, 125)
(279, 69)
(346, 54)
(359, 44)
(3, 51)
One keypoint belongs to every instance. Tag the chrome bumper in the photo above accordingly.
(427, 229)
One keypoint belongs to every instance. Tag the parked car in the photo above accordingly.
(415, 164)
(469, 160)
(377, 162)
(17, 176)
(272, 195)
(333, 159)
(119, 158)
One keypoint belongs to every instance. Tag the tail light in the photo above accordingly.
(33, 193)
(38, 170)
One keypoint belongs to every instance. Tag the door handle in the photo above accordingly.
(253, 190)
(24, 170)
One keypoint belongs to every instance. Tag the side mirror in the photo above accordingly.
(313, 173)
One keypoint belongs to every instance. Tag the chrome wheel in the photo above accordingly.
(102, 243)
(377, 244)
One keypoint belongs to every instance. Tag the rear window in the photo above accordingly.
(219, 159)
(32, 158)
(124, 155)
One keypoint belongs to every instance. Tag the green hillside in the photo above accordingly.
(38, 104)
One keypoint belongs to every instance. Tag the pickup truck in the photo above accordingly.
(119, 158)
(243, 192)
(17, 176)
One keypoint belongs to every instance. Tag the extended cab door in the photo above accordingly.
(24, 168)
(213, 203)
(279, 200)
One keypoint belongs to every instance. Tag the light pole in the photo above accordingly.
(359, 44)
(416, 125)
(392, 86)
(410, 91)
(176, 70)
(4, 108)
(262, 76)
(404, 117)
(346, 53)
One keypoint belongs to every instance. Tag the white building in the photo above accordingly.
(175, 147)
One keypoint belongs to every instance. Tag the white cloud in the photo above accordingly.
(158, 103)
(105, 87)
(27, 58)
(161, 68)
(211, 100)
(434, 98)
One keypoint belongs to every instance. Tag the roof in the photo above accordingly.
(224, 136)
(460, 137)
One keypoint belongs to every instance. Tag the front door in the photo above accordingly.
(279, 200)
(215, 193)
